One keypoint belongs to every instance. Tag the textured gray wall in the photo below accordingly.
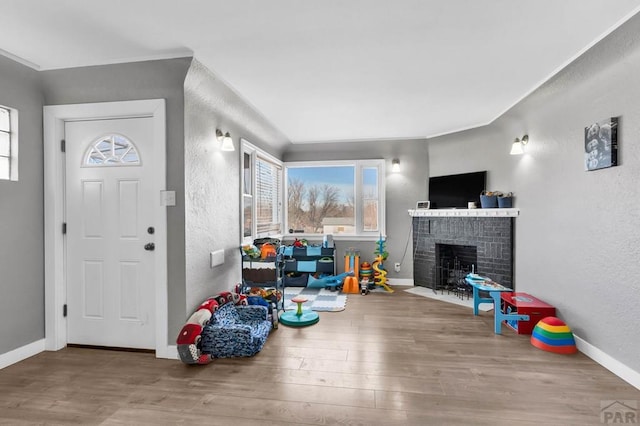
(21, 215)
(577, 235)
(576, 243)
(403, 189)
(132, 81)
(212, 180)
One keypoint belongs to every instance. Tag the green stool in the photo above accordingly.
(299, 318)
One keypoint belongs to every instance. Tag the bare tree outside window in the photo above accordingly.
(319, 197)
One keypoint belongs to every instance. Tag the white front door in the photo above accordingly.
(109, 203)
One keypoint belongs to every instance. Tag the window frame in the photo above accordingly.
(13, 143)
(359, 167)
(255, 154)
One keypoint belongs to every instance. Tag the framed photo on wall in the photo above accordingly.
(601, 144)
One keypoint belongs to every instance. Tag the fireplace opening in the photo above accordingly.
(454, 262)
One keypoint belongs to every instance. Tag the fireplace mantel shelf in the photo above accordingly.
(464, 212)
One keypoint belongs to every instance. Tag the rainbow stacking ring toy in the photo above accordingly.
(552, 335)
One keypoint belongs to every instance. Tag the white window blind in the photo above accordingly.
(261, 192)
(268, 189)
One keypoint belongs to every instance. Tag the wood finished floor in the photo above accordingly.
(388, 359)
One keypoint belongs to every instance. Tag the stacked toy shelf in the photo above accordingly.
(261, 272)
(299, 262)
(264, 273)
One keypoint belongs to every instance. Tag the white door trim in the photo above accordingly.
(54, 266)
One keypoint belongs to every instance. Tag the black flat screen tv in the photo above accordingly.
(455, 191)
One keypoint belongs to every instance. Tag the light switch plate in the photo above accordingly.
(168, 198)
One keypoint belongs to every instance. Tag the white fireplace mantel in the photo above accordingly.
(464, 212)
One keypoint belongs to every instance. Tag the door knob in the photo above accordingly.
(150, 246)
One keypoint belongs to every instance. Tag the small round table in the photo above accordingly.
(299, 318)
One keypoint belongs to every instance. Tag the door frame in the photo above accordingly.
(54, 119)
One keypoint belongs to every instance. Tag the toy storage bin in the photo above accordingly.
(295, 265)
(505, 201)
(297, 261)
(302, 252)
(325, 266)
(259, 276)
(488, 201)
(296, 280)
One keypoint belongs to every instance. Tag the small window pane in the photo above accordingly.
(8, 144)
(104, 147)
(5, 123)
(248, 217)
(119, 151)
(370, 215)
(247, 173)
(95, 158)
(370, 198)
(5, 144)
(4, 168)
(130, 157)
(113, 150)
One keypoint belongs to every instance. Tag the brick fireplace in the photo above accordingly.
(487, 233)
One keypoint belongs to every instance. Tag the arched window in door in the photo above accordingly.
(112, 150)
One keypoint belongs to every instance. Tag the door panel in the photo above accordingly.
(92, 209)
(128, 206)
(93, 289)
(129, 291)
(109, 206)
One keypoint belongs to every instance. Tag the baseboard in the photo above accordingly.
(21, 353)
(616, 367)
(170, 353)
(35, 348)
(400, 281)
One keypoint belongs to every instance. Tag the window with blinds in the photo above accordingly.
(261, 208)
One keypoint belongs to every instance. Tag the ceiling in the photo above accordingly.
(332, 70)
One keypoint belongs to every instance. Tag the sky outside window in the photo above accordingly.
(341, 177)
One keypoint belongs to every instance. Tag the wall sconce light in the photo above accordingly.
(518, 145)
(395, 165)
(227, 142)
